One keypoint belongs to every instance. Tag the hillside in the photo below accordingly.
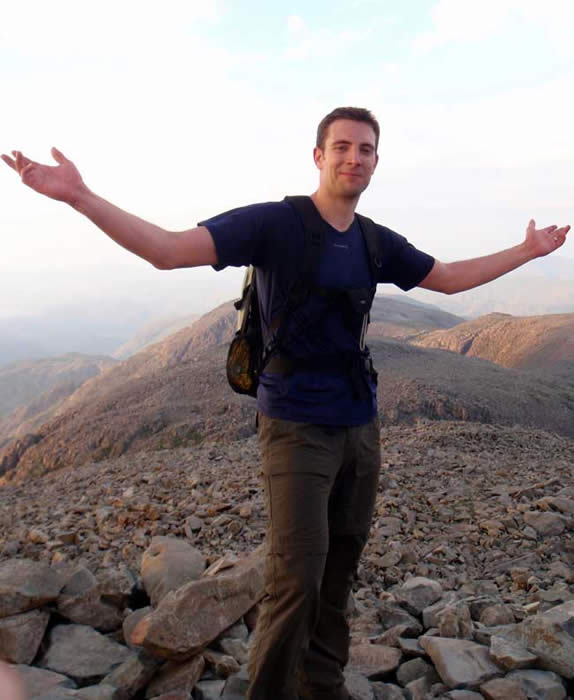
(393, 316)
(153, 332)
(531, 342)
(31, 391)
(164, 402)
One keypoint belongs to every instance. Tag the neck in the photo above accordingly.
(337, 211)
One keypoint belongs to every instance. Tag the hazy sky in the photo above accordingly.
(179, 110)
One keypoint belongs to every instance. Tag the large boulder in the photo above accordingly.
(460, 663)
(81, 602)
(188, 619)
(82, 653)
(25, 585)
(21, 635)
(168, 564)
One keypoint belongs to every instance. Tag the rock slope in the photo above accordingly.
(465, 589)
(530, 342)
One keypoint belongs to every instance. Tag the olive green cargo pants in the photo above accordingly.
(321, 485)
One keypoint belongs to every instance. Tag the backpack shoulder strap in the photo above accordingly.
(314, 237)
(373, 243)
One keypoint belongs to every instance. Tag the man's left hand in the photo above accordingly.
(542, 241)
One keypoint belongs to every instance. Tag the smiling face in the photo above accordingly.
(347, 160)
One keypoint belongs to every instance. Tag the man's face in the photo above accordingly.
(348, 158)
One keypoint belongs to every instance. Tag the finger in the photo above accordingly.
(21, 160)
(58, 156)
(9, 161)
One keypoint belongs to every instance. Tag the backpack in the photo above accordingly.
(248, 355)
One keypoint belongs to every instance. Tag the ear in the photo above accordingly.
(376, 161)
(318, 157)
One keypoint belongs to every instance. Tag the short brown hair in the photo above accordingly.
(356, 114)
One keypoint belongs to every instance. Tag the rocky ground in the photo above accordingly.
(485, 513)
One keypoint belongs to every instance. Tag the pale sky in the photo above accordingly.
(180, 110)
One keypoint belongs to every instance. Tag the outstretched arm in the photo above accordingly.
(454, 277)
(163, 249)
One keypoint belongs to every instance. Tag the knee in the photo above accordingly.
(298, 579)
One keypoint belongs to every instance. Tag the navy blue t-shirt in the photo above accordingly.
(270, 237)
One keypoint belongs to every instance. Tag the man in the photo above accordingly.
(318, 424)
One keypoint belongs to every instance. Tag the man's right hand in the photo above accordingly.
(62, 182)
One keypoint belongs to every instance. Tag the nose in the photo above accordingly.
(354, 155)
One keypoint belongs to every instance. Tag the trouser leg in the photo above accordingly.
(300, 463)
(351, 508)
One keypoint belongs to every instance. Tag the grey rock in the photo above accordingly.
(418, 593)
(389, 526)
(545, 524)
(190, 618)
(358, 686)
(387, 691)
(498, 614)
(418, 689)
(539, 685)
(25, 585)
(21, 635)
(235, 648)
(223, 665)
(508, 655)
(177, 676)
(414, 669)
(38, 681)
(561, 614)
(208, 690)
(411, 647)
(117, 584)
(80, 601)
(460, 663)
(391, 615)
(236, 685)
(502, 689)
(373, 660)
(391, 637)
(101, 691)
(431, 612)
(478, 604)
(82, 653)
(237, 631)
(547, 639)
(455, 621)
(464, 695)
(131, 622)
(169, 563)
(559, 503)
(134, 674)
(56, 694)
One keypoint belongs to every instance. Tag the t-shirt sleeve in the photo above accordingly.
(239, 236)
(402, 263)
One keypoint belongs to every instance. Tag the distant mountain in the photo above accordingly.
(31, 391)
(532, 342)
(91, 329)
(393, 316)
(152, 333)
(23, 382)
(544, 286)
(175, 393)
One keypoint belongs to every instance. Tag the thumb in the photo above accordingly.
(58, 156)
